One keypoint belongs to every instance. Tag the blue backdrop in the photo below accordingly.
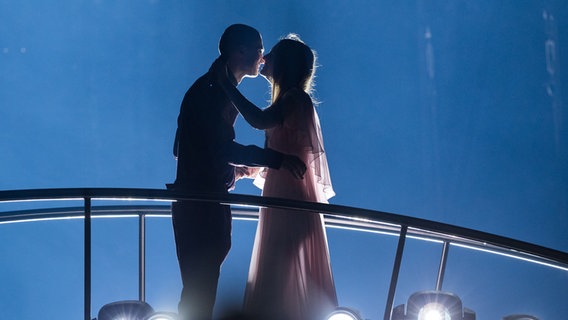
(445, 110)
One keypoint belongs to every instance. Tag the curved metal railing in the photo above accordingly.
(244, 206)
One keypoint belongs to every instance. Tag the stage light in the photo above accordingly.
(132, 310)
(434, 311)
(125, 310)
(432, 305)
(342, 313)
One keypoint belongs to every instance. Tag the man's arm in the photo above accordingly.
(256, 117)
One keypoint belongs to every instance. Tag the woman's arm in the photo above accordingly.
(260, 119)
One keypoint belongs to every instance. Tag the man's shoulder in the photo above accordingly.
(200, 89)
(204, 81)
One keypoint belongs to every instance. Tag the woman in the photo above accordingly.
(290, 275)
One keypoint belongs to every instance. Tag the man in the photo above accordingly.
(207, 160)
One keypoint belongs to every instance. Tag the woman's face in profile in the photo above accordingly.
(268, 67)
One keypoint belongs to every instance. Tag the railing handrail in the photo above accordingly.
(416, 225)
(403, 226)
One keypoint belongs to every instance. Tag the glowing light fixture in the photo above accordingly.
(132, 310)
(434, 311)
(342, 313)
(125, 310)
(432, 305)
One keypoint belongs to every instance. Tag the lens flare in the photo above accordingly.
(434, 311)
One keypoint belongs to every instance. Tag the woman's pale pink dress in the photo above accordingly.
(290, 275)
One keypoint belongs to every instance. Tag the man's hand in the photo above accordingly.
(246, 172)
(294, 165)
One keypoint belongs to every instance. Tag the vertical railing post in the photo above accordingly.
(87, 253)
(395, 272)
(442, 269)
(142, 257)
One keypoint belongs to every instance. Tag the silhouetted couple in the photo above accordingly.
(290, 275)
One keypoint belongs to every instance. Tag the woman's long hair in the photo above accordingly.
(294, 65)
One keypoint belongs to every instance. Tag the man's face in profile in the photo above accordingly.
(253, 58)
